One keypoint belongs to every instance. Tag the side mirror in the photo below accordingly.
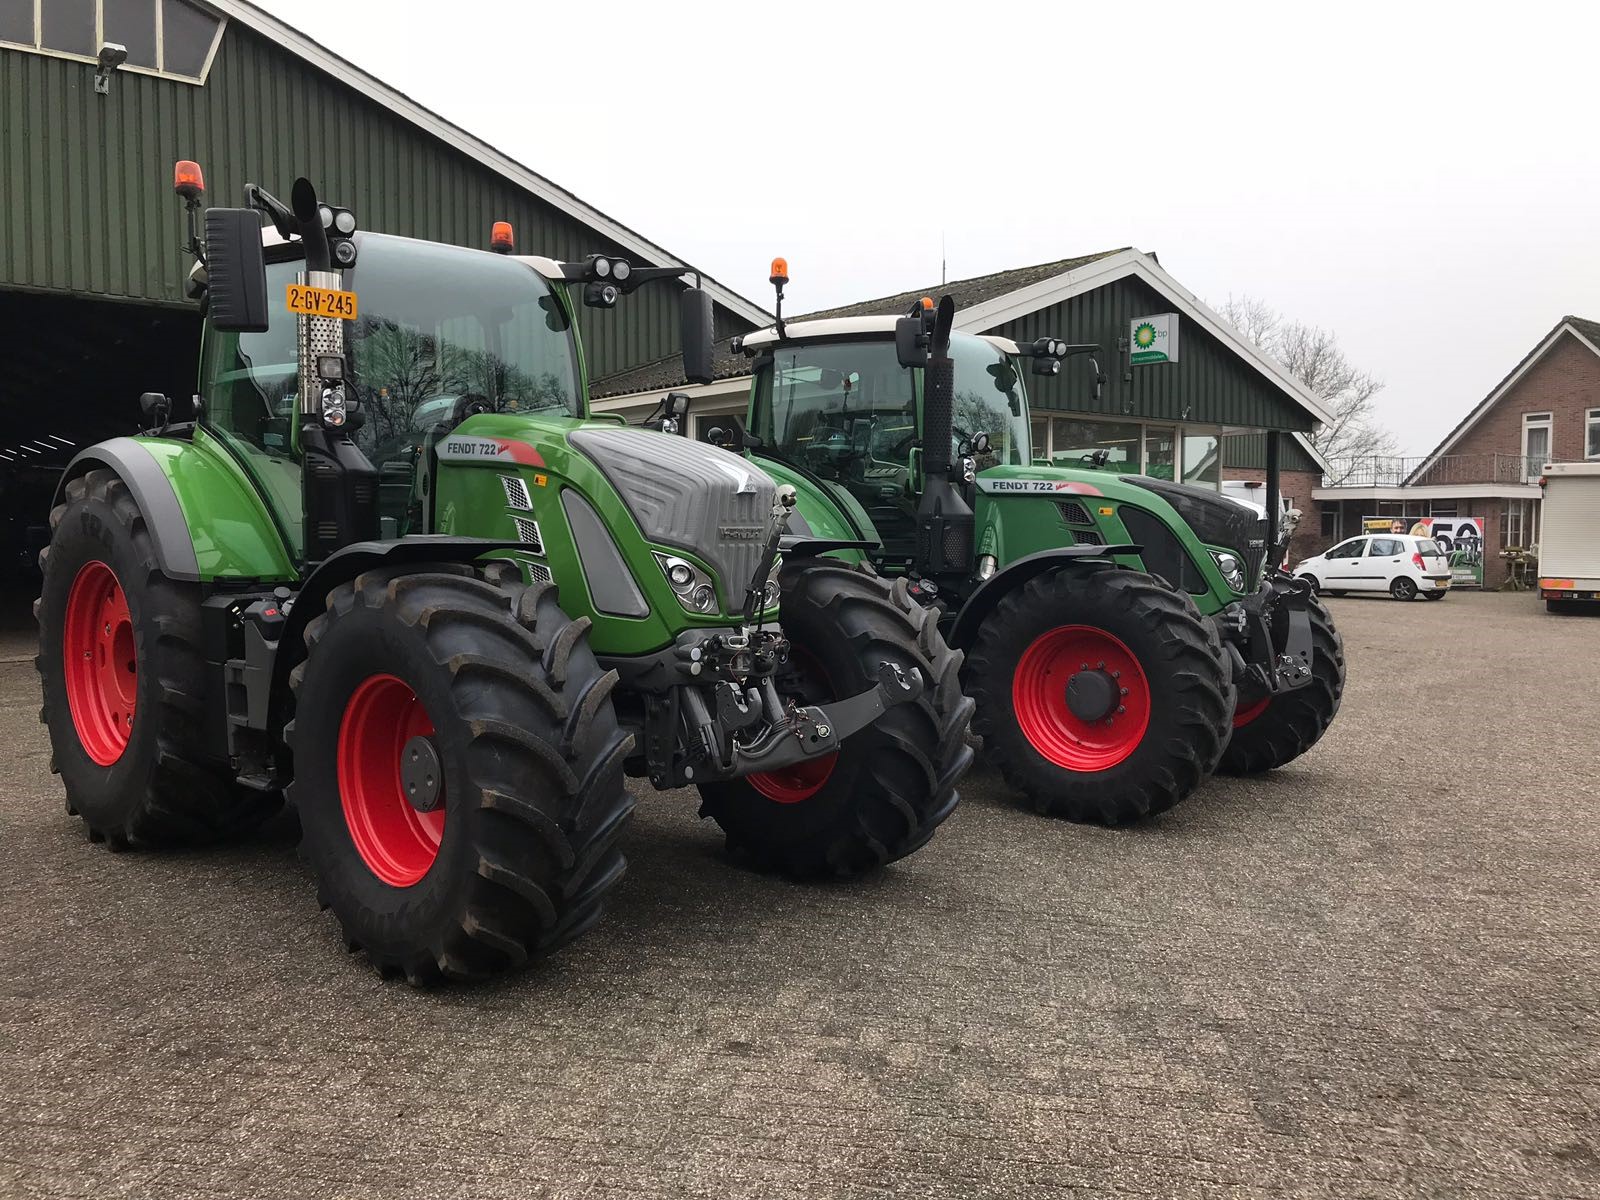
(698, 335)
(910, 342)
(236, 271)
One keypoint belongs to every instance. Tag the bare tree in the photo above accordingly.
(1314, 357)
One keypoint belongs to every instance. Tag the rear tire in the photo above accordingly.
(127, 702)
(501, 684)
(1267, 735)
(1403, 588)
(1435, 595)
(892, 783)
(1082, 769)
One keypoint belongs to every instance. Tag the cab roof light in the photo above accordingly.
(927, 303)
(501, 238)
(780, 271)
(188, 180)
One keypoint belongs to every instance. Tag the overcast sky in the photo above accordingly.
(1420, 179)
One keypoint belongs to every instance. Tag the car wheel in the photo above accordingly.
(1316, 584)
(1404, 588)
(1439, 595)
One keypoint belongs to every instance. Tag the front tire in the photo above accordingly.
(1280, 728)
(891, 784)
(126, 688)
(458, 770)
(1102, 696)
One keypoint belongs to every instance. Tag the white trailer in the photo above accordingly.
(1569, 537)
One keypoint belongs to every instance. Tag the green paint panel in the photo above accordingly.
(234, 536)
(471, 501)
(1250, 450)
(1209, 385)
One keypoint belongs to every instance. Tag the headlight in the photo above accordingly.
(692, 586)
(1232, 569)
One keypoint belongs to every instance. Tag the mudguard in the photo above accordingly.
(964, 629)
(205, 518)
(138, 468)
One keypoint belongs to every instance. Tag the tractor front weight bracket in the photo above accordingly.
(1267, 637)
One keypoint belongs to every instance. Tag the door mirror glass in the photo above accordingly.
(698, 335)
(236, 271)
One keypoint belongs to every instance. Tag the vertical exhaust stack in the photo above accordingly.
(945, 524)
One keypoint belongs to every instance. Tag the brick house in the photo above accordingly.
(1546, 410)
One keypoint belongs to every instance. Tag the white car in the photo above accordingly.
(1397, 563)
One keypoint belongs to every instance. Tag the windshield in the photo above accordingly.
(990, 398)
(439, 323)
(847, 410)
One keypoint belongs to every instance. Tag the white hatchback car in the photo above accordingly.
(1397, 563)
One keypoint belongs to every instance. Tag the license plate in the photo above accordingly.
(311, 301)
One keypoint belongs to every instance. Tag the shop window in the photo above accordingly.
(1074, 442)
(1202, 459)
(1160, 451)
(170, 38)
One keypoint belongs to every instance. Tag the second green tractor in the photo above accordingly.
(1125, 635)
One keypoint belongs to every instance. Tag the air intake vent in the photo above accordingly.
(1087, 537)
(537, 572)
(516, 493)
(1074, 512)
(528, 533)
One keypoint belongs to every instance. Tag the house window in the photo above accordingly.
(1330, 521)
(1591, 434)
(174, 39)
(1516, 524)
(1535, 443)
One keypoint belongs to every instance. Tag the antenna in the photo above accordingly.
(943, 261)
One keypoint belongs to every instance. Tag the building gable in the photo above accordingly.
(1559, 375)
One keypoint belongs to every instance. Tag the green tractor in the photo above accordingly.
(394, 571)
(1125, 636)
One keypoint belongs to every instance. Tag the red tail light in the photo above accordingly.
(1417, 558)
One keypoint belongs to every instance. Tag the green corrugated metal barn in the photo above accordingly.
(91, 274)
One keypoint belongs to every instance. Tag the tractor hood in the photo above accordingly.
(696, 497)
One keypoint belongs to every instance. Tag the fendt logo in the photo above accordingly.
(739, 533)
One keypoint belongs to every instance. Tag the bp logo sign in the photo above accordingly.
(1153, 339)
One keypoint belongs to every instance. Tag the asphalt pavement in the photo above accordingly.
(1373, 973)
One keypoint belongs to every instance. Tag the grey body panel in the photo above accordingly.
(690, 495)
(138, 468)
(611, 585)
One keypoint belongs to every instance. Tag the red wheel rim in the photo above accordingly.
(1039, 698)
(398, 843)
(99, 663)
(1245, 713)
(804, 779)
(796, 782)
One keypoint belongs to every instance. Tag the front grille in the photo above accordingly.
(1087, 537)
(516, 493)
(1074, 513)
(1161, 551)
(528, 532)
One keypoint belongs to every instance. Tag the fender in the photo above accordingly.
(205, 518)
(964, 630)
(801, 546)
(152, 490)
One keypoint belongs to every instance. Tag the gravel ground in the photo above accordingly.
(1372, 973)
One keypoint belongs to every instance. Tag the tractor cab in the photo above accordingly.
(832, 400)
